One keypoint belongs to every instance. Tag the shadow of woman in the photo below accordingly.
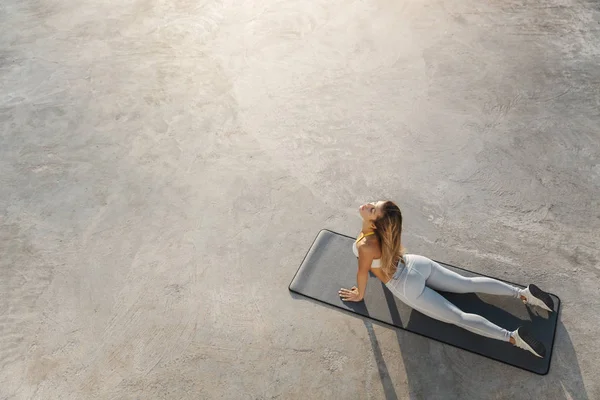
(384, 375)
(565, 367)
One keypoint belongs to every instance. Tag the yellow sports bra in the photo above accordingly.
(376, 262)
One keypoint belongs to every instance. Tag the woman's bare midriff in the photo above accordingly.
(380, 275)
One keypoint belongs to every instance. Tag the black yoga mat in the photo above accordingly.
(330, 265)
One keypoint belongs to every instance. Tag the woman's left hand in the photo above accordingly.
(350, 295)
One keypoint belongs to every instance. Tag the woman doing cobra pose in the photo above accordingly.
(415, 279)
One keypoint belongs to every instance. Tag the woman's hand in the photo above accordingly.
(350, 295)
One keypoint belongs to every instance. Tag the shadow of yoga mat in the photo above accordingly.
(330, 265)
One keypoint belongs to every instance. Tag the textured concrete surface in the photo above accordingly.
(164, 166)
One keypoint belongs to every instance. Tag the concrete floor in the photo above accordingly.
(165, 165)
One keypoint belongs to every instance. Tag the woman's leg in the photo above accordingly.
(434, 305)
(449, 281)
(410, 288)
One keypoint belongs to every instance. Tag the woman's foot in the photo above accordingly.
(537, 297)
(523, 339)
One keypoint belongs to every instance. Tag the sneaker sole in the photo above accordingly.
(543, 296)
(535, 346)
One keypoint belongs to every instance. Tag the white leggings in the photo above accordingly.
(415, 285)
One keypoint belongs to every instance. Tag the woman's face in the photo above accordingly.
(371, 211)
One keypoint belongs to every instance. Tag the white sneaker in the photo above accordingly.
(525, 340)
(537, 297)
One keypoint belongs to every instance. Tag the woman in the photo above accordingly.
(414, 279)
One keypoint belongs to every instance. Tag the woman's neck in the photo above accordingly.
(367, 228)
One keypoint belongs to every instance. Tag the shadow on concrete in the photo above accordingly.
(384, 376)
(566, 367)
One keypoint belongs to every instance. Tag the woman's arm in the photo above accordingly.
(365, 258)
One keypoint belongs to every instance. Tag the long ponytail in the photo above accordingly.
(389, 231)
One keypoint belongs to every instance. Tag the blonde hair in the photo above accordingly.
(388, 228)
